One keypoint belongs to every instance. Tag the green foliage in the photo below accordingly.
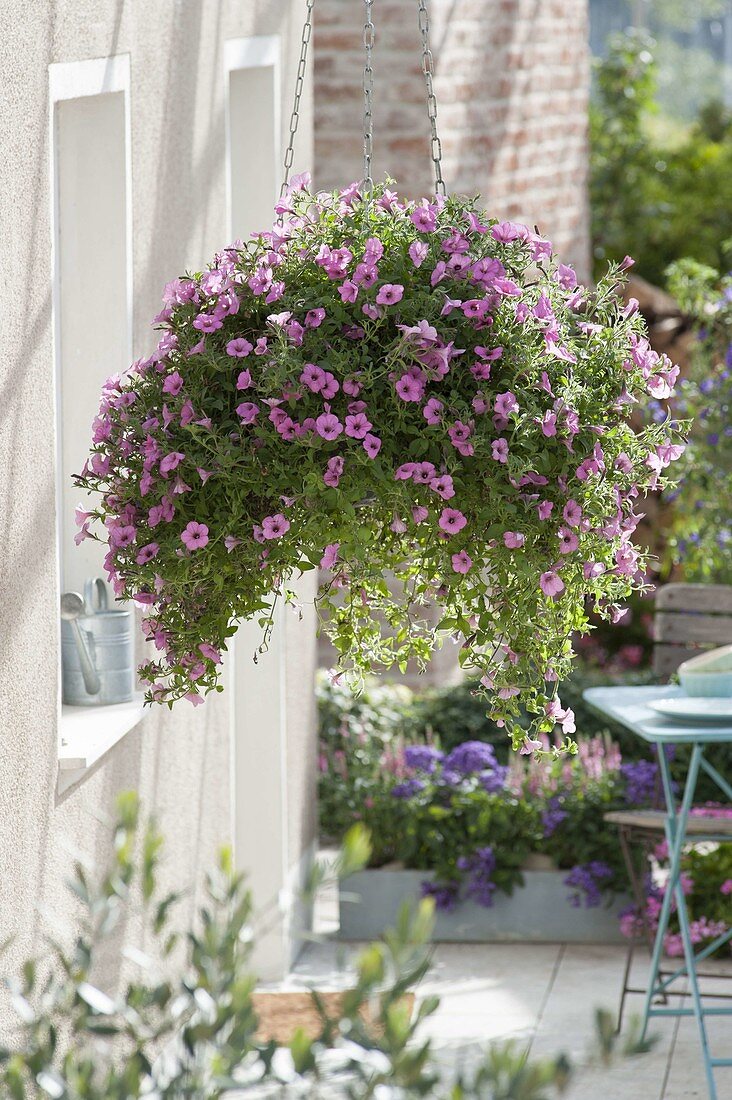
(656, 198)
(710, 869)
(441, 825)
(192, 1034)
(701, 530)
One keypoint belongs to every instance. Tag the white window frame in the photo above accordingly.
(255, 52)
(77, 80)
(78, 751)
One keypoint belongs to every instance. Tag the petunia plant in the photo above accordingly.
(411, 397)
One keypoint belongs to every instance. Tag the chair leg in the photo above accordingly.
(626, 985)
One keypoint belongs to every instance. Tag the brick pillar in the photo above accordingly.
(512, 83)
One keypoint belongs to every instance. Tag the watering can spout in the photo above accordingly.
(72, 606)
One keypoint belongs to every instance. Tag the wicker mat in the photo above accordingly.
(281, 1014)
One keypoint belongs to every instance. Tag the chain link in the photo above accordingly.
(307, 31)
(369, 37)
(428, 68)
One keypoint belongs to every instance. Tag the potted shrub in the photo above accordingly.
(519, 852)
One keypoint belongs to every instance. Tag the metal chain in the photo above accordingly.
(428, 68)
(369, 37)
(307, 31)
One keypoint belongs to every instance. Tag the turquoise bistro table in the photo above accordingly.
(630, 707)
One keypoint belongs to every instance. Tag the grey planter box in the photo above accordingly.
(537, 912)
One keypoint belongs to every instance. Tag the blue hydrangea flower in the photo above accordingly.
(423, 758)
(407, 789)
(471, 757)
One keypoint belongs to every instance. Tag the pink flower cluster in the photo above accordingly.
(364, 388)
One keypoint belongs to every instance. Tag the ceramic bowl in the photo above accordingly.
(708, 675)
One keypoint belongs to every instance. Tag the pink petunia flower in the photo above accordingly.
(173, 384)
(371, 445)
(348, 291)
(195, 535)
(505, 404)
(274, 527)
(549, 424)
(451, 520)
(389, 294)
(314, 318)
(499, 450)
(334, 470)
(572, 513)
(443, 486)
(551, 584)
(244, 380)
(247, 412)
(147, 553)
(330, 555)
(358, 426)
(568, 541)
(207, 322)
(231, 542)
(513, 539)
(313, 377)
(424, 219)
(239, 348)
(171, 461)
(545, 508)
(432, 410)
(210, 652)
(328, 426)
(462, 562)
(410, 388)
(418, 252)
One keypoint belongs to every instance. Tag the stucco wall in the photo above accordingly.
(178, 761)
(512, 83)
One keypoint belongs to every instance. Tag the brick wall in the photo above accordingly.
(512, 81)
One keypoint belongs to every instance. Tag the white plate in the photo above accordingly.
(698, 709)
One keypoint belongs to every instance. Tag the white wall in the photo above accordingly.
(180, 761)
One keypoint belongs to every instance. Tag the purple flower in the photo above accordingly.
(422, 758)
(446, 894)
(480, 867)
(641, 782)
(589, 879)
(471, 757)
(494, 781)
(552, 817)
(408, 789)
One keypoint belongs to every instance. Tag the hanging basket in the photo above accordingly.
(379, 387)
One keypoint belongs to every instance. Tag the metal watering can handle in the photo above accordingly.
(95, 595)
(72, 606)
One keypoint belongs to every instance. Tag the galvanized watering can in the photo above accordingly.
(97, 649)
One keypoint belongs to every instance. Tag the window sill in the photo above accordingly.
(87, 733)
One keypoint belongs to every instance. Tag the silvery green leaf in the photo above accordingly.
(51, 1083)
(96, 999)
